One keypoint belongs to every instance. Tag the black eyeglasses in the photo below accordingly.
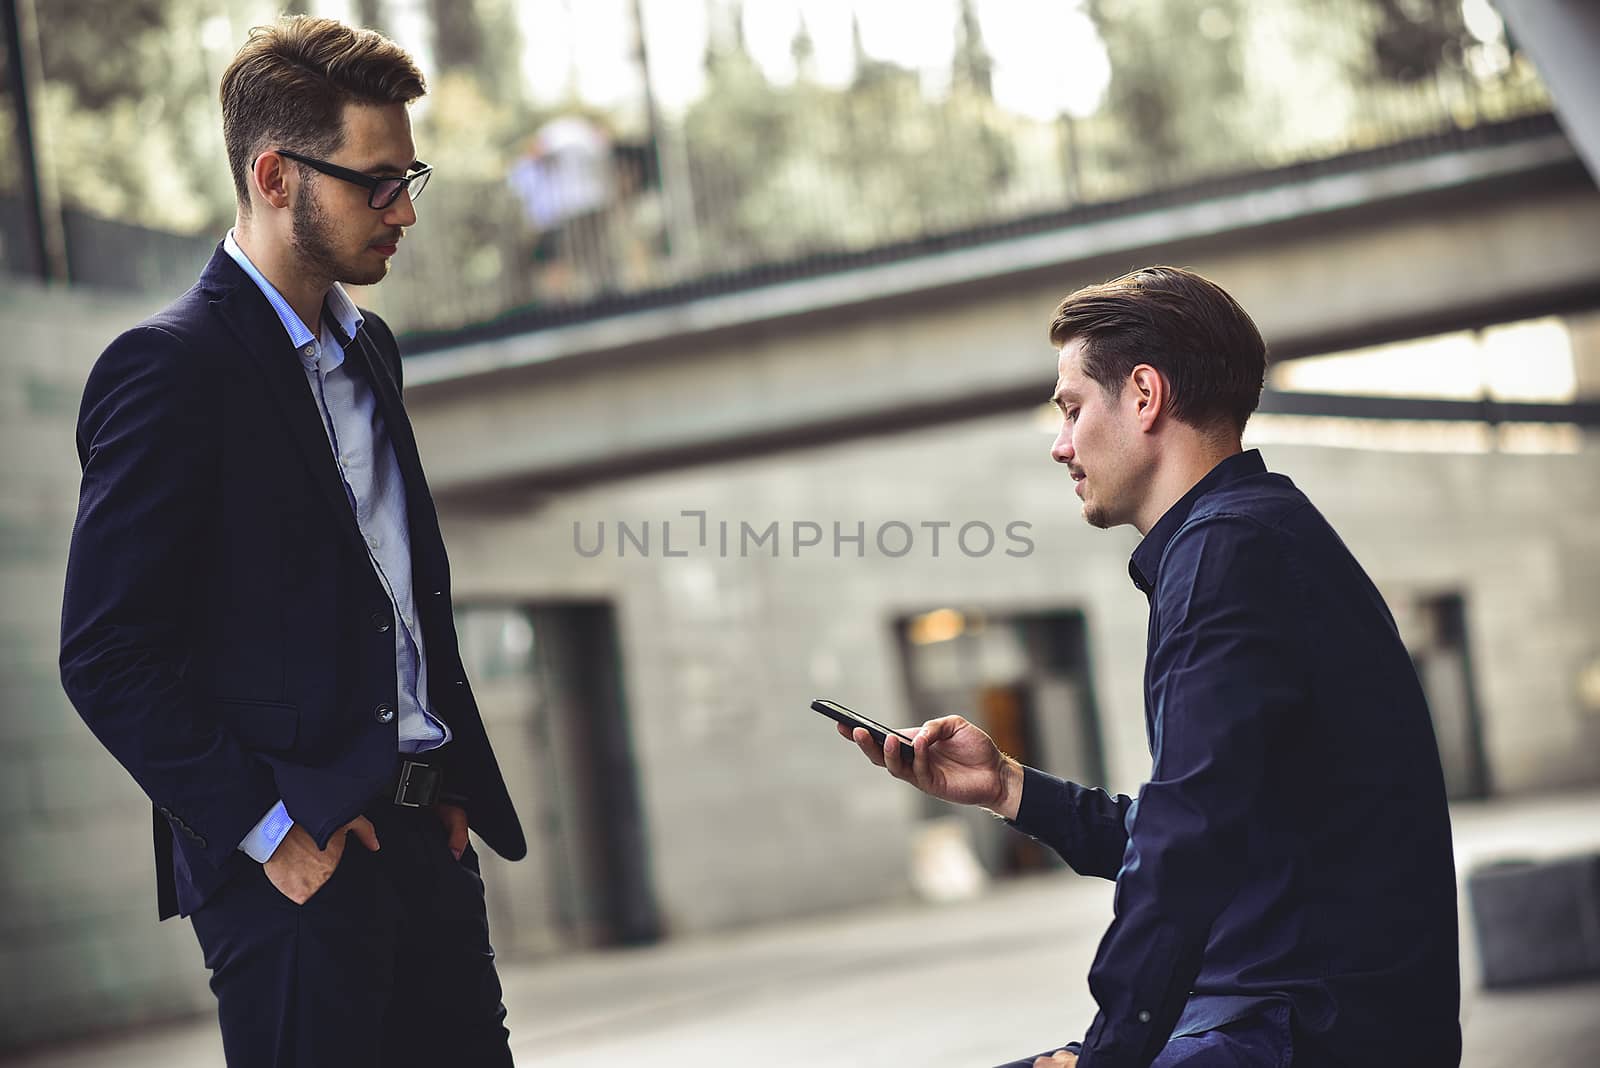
(381, 192)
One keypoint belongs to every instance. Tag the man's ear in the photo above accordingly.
(1148, 393)
(269, 179)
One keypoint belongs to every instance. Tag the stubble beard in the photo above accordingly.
(1097, 512)
(1096, 516)
(312, 238)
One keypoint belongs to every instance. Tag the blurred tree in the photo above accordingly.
(734, 133)
(1177, 82)
(1415, 39)
(802, 169)
(804, 51)
(868, 68)
(479, 39)
(10, 158)
(973, 65)
(100, 51)
(458, 41)
(128, 110)
(369, 13)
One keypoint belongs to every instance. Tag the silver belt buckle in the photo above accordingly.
(418, 785)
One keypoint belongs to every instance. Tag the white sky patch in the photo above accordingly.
(915, 36)
(1523, 361)
(830, 26)
(1048, 58)
(677, 33)
(1530, 361)
(1483, 22)
(547, 58)
(770, 28)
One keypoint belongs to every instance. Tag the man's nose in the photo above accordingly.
(401, 212)
(1062, 452)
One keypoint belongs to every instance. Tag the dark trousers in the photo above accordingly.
(388, 964)
(1261, 1040)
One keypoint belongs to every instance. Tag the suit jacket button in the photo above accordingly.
(380, 622)
(384, 713)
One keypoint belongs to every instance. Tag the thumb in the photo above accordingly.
(456, 825)
(936, 730)
(362, 828)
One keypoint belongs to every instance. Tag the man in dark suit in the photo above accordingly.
(257, 617)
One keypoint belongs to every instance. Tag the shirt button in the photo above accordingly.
(384, 713)
(380, 622)
(310, 350)
(1144, 1015)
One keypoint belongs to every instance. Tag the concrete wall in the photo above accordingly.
(80, 948)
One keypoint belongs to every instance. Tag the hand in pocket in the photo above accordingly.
(298, 869)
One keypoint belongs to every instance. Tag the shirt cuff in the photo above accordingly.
(265, 836)
(1039, 809)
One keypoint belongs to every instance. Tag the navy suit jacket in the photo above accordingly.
(224, 633)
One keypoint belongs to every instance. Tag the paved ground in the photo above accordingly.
(954, 985)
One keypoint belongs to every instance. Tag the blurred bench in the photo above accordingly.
(1537, 921)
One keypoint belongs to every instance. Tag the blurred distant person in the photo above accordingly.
(257, 617)
(1285, 885)
(567, 182)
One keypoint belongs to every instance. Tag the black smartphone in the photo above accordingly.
(850, 718)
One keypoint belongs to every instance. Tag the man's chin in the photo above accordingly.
(366, 276)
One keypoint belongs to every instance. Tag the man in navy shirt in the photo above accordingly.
(1285, 884)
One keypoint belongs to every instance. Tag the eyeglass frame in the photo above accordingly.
(421, 171)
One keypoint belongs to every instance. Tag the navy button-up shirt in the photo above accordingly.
(1292, 843)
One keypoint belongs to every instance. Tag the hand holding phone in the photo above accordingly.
(852, 719)
(962, 764)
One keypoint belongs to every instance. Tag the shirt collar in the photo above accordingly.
(1146, 558)
(338, 305)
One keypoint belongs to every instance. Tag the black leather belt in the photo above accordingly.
(417, 785)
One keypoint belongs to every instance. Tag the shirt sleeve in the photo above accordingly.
(265, 837)
(1086, 827)
(1223, 675)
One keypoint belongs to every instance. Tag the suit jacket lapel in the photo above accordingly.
(245, 311)
(372, 364)
(419, 504)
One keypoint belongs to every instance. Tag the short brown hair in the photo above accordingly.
(291, 80)
(1187, 327)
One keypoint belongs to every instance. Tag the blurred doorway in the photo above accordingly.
(1025, 679)
(1434, 629)
(548, 679)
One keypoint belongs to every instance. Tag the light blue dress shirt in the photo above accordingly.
(377, 495)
